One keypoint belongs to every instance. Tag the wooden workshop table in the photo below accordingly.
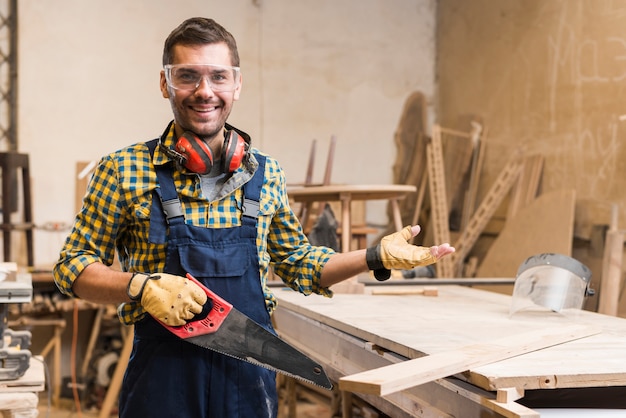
(346, 194)
(352, 333)
(19, 398)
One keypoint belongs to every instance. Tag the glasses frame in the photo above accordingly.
(168, 76)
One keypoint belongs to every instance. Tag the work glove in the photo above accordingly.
(171, 299)
(395, 252)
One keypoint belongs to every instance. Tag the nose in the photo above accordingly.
(204, 85)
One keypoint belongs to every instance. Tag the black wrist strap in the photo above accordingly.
(372, 257)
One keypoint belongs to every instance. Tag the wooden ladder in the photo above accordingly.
(438, 198)
(483, 214)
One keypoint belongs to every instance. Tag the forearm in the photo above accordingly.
(342, 266)
(98, 283)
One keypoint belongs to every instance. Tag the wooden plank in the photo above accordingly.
(612, 267)
(389, 379)
(506, 395)
(404, 290)
(440, 210)
(116, 381)
(527, 187)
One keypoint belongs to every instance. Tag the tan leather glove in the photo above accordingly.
(395, 252)
(171, 299)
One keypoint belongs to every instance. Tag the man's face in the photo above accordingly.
(201, 110)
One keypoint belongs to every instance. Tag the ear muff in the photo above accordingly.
(195, 155)
(233, 151)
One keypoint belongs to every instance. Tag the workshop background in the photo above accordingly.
(541, 77)
(89, 84)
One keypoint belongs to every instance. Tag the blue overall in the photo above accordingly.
(168, 377)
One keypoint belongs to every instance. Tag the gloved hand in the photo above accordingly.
(395, 252)
(170, 299)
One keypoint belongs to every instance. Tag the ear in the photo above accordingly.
(237, 91)
(163, 85)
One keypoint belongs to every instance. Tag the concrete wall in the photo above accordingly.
(89, 73)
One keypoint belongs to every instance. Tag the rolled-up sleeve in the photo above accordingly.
(91, 238)
(298, 263)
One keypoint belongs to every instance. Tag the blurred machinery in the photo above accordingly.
(14, 345)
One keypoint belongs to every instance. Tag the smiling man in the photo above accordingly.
(180, 204)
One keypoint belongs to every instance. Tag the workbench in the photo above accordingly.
(352, 333)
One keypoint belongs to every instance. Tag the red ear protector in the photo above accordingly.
(195, 155)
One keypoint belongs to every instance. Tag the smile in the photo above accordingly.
(203, 109)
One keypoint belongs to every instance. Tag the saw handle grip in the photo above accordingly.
(208, 324)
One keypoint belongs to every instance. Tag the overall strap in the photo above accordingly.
(252, 194)
(166, 208)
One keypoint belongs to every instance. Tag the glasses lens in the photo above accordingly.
(189, 77)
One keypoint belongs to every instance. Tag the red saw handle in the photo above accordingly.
(207, 325)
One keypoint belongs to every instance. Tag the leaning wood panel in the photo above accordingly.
(544, 226)
(389, 379)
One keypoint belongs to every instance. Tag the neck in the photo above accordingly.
(213, 141)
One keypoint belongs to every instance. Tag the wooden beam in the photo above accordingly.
(612, 267)
(426, 291)
(507, 395)
(396, 377)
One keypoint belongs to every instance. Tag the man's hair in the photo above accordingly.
(199, 31)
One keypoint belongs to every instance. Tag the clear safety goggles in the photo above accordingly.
(189, 76)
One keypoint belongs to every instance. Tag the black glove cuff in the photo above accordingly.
(372, 257)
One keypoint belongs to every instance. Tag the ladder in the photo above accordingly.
(438, 198)
(485, 211)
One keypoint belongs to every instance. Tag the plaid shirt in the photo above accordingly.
(116, 216)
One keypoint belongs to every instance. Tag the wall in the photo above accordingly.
(547, 77)
(89, 73)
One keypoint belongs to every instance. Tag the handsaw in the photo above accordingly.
(228, 331)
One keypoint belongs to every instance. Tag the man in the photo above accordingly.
(201, 200)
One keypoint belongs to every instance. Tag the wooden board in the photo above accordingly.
(414, 325)
(389, 379)
(545, 225)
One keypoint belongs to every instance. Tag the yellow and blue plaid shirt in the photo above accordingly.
(116, 216)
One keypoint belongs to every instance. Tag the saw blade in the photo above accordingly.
(228, 331)
(240, 337)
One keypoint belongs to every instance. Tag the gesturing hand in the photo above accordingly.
(395, 252)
